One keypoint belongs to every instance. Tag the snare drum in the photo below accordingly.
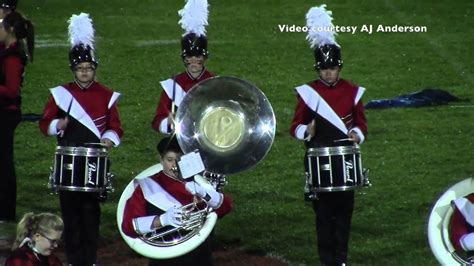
(334, 169)
(80, 169)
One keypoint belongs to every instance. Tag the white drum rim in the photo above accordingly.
(334, 151)
(78, 189)
(81, 151)
(440, 215)
(337, 188)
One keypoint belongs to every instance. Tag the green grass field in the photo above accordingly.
(414, 154)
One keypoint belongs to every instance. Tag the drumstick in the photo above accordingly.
(173, 96)
(309, 137)
(338, 140)
(173, 105)
(61, 133)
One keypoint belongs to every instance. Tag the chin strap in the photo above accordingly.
(24, 241)
(81, 86)
(329, 84)
(30, 244)
(199, 76)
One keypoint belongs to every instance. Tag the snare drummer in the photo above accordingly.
(79, 112)
(194, 55)
(144, 211)
(329, 109)
(6, 7)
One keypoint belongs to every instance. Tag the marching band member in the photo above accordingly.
(462, 224)
(155, 204)
(79, 112)
(328, 109)
(194, 55)
(6, 7)
(37, 237)
(13, 59)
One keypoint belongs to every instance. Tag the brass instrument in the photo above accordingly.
(232, 125)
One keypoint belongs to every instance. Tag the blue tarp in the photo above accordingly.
(426, 97)
(31, 117)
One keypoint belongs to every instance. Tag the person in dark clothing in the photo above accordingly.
(13, 59)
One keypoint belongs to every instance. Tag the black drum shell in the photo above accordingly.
(336, 168)
(80, 169)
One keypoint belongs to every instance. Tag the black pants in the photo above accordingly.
(333, 224)
(201, 256)
(9, 120)
(81, 215)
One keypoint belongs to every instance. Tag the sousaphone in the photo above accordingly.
(231, 123)
(439, 224)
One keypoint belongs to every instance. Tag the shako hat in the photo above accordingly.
(321, 38)
(81, 37)
(194, 21)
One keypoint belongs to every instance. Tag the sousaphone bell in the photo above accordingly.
(230, 122)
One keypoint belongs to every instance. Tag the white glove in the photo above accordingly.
(173, 216)
(209, 194)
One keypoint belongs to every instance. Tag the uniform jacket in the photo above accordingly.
(337, 109)
(462, 224)
(12, 68)
(93, 114)
(153, 196)
(180, 84)
(24, 256)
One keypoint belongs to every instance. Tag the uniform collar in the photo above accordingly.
(14, 45)
(83, 88)
(198, 77)
(330, 85)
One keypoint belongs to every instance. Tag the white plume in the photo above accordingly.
(194, 17)
(81, 30)
(320, 28)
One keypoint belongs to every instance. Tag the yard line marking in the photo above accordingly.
(462, 106)
(165, 42)
(156, 42)
(457, 66)
(46, 43)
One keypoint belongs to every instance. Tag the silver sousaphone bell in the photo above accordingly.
(231, 123)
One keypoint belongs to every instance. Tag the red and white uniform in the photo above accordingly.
(462, 223)
(162, 192)
(24, 256)
(93, 108)
(339, 104)
(12, 70)
(176, 89)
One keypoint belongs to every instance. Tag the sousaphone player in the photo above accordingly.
(157, 205)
